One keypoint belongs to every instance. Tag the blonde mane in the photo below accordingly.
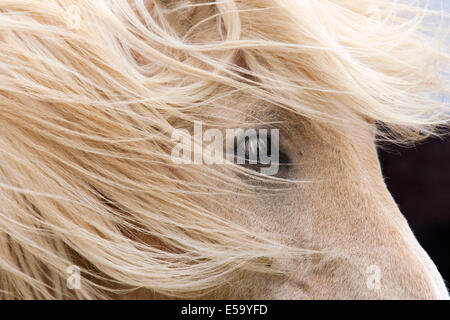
(87, 111)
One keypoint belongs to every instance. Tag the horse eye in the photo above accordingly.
(251, 150)
(247, 151)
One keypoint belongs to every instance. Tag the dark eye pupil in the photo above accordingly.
(284, 159)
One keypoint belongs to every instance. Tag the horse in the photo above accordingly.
(93, 204)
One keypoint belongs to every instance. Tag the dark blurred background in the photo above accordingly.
(419, 180)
